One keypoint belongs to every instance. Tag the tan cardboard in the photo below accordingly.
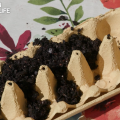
(1, 64)
(78, 70)
(46, 83)
(109, 65)
(30, 52)
(13, 103)
(89, 104)
(96, 27)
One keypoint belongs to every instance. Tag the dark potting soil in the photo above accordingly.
(56, 56)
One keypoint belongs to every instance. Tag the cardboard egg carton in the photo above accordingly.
(13, 102)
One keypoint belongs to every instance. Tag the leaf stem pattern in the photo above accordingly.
(67, 13)
(47, 20)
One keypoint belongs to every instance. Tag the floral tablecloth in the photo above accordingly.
(23, 20)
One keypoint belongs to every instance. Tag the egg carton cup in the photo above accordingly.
(13, 102)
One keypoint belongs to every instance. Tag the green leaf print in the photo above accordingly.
(63, 15)
(39, 2)
(73, 2)
(78, 13)
(84, 20)
(46, 20)
(55, 31)
(52, 11)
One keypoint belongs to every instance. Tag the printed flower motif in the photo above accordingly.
(63, 15)
(8, 41)
(107, 110)
(111, 4)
